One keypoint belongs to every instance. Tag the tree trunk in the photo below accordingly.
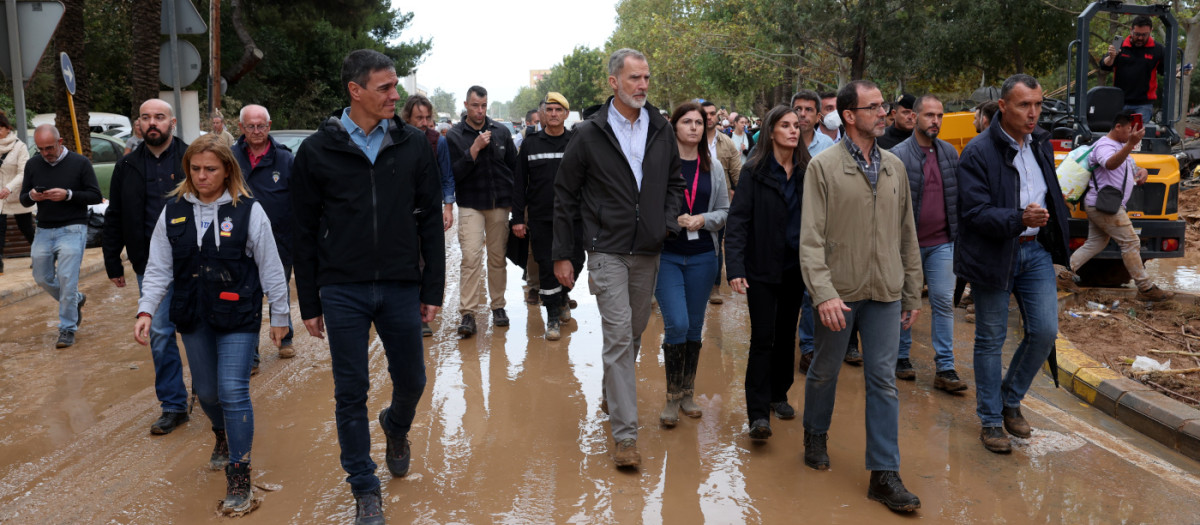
(1190, 53)
(858, 57)
(147, 24)
(251, 54)
(69, 39)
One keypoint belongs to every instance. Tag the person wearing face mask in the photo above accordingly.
(831, 123)
(690, 261)
(137, 193)
(1136, 67)
(762, 245)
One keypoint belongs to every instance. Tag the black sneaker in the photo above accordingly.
(368, 508)
(65, 338)
(398, 451)
(854, 357)
(467, 327)
(887, 488)
(168, 422)
(237, 493)
(220, 453)
(499, 318)
(79, 308)
(816, 454)
(904, 370)
(426, 330)
(805, 362)
(783, 410)
(760, 430)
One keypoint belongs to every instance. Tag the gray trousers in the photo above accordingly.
(623, 286)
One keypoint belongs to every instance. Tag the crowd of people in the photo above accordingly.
(830, 214)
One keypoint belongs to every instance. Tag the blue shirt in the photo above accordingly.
(1033, 186)
(369, 143)
(820, 142)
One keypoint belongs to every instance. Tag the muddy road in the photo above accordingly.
(510, 431)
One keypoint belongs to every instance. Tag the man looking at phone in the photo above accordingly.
(1136, 64)
(1116, 169)
(62, 185)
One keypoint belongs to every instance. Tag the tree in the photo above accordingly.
(527, 98)
(444, 102)
(145, 20)
(581, 77)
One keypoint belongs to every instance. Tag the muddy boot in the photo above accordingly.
(887, 488)
(237, 493)
(553, 323)
(368, 508)
(816, 455)
(1154, 294)
(674, 361)
(220, 453)
(691, 359)
(564, 307)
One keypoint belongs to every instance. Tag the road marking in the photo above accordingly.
(1135, 456)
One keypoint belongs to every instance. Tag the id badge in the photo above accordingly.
(693, 235)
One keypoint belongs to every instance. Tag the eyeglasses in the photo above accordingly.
(1142, 35)
(875, 108)
(256, 127)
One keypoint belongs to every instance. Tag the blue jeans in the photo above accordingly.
(1147, 111)
(1035, 290)
(350, 309)
(168, 368)
(57, 254)
(938, 264)
(879, 329)
(684, 283)
(220, 364)
(805, 332)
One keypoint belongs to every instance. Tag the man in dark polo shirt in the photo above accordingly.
(137, 194)
(62, 185)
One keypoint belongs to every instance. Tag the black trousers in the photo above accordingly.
(774, 318)
(541, 240)
(24, 223)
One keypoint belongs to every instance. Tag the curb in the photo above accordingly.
(19, 293)
(1146, 410)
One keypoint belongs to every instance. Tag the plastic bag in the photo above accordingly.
(1074, 173)
(1145, 364)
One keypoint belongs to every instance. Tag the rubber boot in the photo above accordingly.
(564, 308)
(553, 323)
(237, 494)
(691, 359)
(220, 453)
(673, 362)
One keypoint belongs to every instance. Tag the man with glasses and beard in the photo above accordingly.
(1136, 66)
(137, 194)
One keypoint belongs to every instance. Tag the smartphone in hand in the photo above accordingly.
(1117, 41)
(1137, 122)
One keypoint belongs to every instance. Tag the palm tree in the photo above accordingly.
(147, 24)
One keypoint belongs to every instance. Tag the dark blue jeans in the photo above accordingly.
(220, 364)
(164, 349)
(682, 292)
(350, 310)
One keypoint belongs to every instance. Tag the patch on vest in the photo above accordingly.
(178, 220)
(226, 227)
(275, 176)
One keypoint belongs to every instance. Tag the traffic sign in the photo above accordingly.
(188, 59)
(68, 72)
(188, 18)
(37, 22)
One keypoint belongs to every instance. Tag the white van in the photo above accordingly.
(99, 122)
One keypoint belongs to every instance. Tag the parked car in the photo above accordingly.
(99, 122)
(291, 138)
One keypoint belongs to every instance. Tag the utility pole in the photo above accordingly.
(214, 58)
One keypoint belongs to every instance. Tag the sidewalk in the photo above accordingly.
(17, 282)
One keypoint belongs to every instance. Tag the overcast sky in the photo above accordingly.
(495, 44)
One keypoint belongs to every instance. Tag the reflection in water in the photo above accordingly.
(1176, 274)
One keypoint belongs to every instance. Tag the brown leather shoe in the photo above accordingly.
(715, 296)
(1015, 423)
(949, 381)
(995, 440)
(1154, 293)
(627, 454)
(287, 351)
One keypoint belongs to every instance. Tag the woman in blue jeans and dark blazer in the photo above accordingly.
(762, 260)
(214, 242)
(688, 264)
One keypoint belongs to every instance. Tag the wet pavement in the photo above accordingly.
(510, 431)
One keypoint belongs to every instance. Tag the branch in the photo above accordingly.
(251, 54)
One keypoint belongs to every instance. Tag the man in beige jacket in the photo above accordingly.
(861, 265)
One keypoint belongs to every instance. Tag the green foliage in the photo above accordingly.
(444, 102)
(581, 77)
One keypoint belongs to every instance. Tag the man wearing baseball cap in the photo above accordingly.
(533, 196)
(906, 119)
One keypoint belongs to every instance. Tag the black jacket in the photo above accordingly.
(891, 137)
(485, 182)
(360, 222)
(756, 246)
(989, 208)
(270, 181)
(125, 219)
(596, 182)
(533, 185)
(913, 157)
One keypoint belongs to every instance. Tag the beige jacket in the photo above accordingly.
(12, 174)
(855, 243)
(730, 159)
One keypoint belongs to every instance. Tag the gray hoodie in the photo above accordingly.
(260, 246)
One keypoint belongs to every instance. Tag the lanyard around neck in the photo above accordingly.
(690, 197)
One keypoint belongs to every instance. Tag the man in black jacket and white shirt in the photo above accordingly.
(623, 163)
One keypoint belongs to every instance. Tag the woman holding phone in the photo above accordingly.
(214, 242)
(762, 247)
(688, 264)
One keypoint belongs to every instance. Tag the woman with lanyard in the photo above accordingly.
(214, 242)
(688, 265)
(762, 260)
